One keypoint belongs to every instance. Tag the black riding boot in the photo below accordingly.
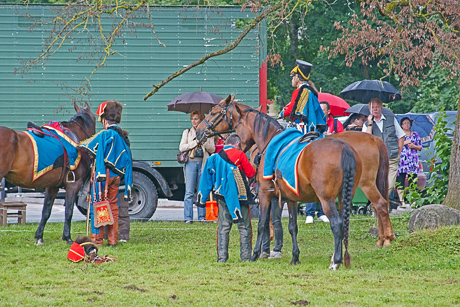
(245, 229)
(223, 232)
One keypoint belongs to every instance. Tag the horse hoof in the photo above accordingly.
(39, 242)
(334, 266)
(295, 262)
(254, 258)
(387, 243)
(68, 241)
(379, 244)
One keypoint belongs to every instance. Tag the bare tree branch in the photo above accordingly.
(229, 48)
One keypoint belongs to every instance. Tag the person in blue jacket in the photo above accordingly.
(110, 147)
(224, 173)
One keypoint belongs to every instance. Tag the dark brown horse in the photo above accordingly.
(371, 149)
(337, 163)
(17, 163)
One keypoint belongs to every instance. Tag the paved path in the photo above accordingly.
(166, 211)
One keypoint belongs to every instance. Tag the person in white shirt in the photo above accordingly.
(383, 123)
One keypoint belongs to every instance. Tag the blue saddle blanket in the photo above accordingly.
(47, 149)
(286, 161)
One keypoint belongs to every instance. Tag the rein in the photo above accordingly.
(78, 124)
(261, 153)
(72, 120)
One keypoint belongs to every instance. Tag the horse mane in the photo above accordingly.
(262, 122)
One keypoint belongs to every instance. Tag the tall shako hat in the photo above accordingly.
(302, 68)
(111, 110)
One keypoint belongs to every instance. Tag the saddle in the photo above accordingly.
(308, 137)
(38, 131)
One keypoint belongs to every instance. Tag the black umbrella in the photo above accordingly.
(189, 102)
(360, 108)
(363, 91)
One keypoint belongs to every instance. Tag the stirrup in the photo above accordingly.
(68, 177)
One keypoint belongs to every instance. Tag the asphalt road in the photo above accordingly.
(166, 211)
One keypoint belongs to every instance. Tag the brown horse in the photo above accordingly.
(17, 163)
(371, 149)
(335, 160)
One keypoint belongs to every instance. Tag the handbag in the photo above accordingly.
(102, 211)
(182, 157)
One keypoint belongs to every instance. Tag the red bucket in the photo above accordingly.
(212, 210)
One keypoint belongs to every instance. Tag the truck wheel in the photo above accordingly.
(144, 198)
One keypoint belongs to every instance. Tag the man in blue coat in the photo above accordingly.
(110, 147)
(224, 173)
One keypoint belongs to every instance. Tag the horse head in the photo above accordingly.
(83, 123)
(220, 120)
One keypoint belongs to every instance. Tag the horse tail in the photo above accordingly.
(382, 173)
(349, 171)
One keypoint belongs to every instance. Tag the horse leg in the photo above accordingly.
(264, 216)
(293, 230)
(336, 223)
(50, 196)
(381, 209)
(70, 196)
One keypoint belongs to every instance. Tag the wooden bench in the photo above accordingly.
(20, 213)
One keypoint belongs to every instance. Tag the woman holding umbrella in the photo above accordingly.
(199, 152)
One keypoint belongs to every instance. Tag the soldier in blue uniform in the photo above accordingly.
(110, 147)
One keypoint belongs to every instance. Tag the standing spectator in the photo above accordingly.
(112, 158)
(225, 174)
(408, 163)
(192, 169)
(333, 124)
(354, 122)
(388, 129)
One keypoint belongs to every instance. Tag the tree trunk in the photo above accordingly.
(453, 193)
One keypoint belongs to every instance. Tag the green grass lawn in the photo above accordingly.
(171, 263)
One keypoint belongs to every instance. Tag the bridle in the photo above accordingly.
(211, 125)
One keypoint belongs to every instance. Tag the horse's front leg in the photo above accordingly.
(293, 230)
(50, 196)
(70, 197)
(264, 222)
(336, 224)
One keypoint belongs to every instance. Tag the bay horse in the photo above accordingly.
(327, 169)
(17, 166)
(371, 149)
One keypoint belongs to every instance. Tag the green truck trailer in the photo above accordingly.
(186, 34)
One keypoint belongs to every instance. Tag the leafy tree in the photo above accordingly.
(301, 36)
(409, 38)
